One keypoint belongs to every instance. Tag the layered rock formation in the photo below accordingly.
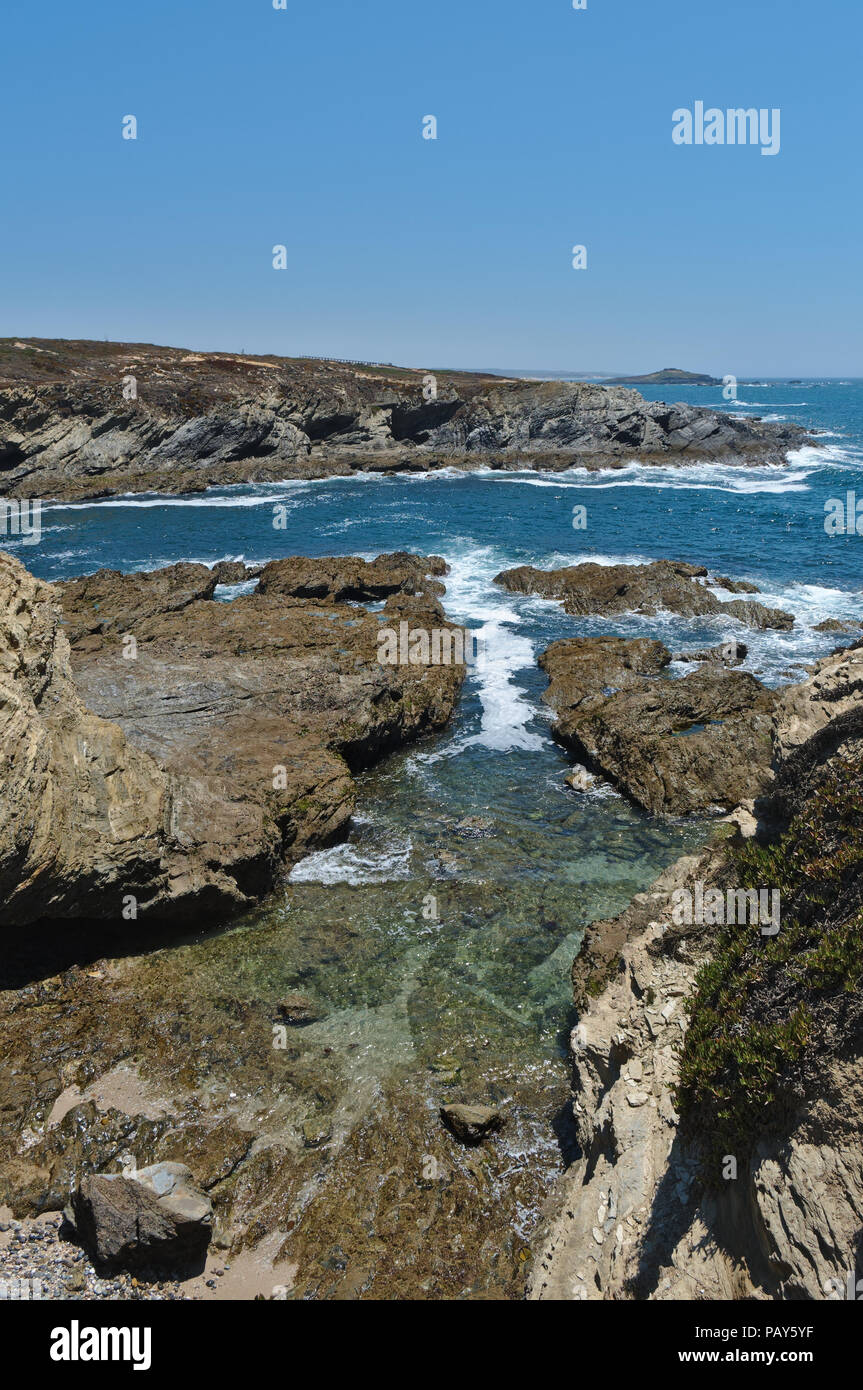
(720, 1151)
(164, 749)
(67, 430)
(663, 585)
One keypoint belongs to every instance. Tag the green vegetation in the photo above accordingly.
(757, 1003)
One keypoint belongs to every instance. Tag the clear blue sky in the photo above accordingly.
(303, 127)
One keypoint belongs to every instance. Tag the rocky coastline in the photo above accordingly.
(169, 752)
(177, 739)
(85, 420)
(716, 1068)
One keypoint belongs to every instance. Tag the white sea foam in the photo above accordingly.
(709, 477)
(282, 497)
(506, 711)
(356, 864)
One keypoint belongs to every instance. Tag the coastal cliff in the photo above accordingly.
(716, 1067)
(90, 419)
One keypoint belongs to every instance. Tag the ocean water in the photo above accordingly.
(471, 869)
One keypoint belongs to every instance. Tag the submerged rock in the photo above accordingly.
(298, 1009)
(471, 1123)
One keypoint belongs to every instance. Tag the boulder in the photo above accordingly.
(155, 1219)
(471, 1123)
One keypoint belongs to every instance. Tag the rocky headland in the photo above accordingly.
(91, 419)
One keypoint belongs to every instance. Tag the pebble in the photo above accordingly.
(64, 1271)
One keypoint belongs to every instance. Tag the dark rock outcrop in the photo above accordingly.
(66, 430)
(608, 590)
(671, 746)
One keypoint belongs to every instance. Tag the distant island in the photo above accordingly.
(669, 376)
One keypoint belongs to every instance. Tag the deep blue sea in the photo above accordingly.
(479, 815)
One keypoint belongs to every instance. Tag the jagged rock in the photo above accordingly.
(736, 586)
(671, 746)
(157, 1218)
(471, 1123)
(193, 765)
(202, 418)
(614, 589)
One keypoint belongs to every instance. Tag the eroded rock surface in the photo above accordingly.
(663, 585)
(185, 749)
(671, 746)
